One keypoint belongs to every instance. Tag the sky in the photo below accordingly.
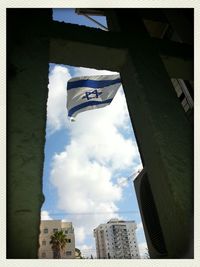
(89, 164)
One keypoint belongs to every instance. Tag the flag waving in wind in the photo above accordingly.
(91, 92)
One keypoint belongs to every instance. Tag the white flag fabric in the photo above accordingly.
(91, 92)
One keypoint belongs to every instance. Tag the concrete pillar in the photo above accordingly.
(164, 136)
(26, 119)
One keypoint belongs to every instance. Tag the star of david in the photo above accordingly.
(92, 94)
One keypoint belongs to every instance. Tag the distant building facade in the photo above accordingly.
(47, 228)
(116, 240)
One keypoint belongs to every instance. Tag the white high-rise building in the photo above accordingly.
(116, 240)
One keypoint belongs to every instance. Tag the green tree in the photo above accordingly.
(78, 253)
(58, 243)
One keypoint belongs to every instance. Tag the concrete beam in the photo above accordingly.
(85, 48)
(86, 55)
(174, 49)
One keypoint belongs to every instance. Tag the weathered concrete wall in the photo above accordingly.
(166, 145)
(83, 46)
(165, 140)
(27, 82)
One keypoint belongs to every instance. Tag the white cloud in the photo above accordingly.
(56, 105)
(83, 187)
(143, 250)
(139, 227)
(80, 234)
(122, 181)
(45, 215)
(83, 172)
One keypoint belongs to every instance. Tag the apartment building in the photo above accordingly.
(47, 228)
(116, 240)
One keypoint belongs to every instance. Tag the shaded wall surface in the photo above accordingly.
(163, 133)
(27, 81)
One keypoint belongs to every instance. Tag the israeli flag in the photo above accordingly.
(91, 92)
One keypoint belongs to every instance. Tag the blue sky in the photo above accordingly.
(87, 162)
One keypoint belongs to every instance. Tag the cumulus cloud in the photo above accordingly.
(84, 187)
(80, 234)
(45, 215)
(56, 104)
(86, 172)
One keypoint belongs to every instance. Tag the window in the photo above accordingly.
(55, 230)
(68, 240)
(44, 243)
(45, 231)
(66, 232)
(54, 254)
(43, 255)
(68, 253)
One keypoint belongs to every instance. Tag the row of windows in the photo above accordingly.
(46, 230)
(121, 241)
(67, 253)
(44, 241)
(119, 246)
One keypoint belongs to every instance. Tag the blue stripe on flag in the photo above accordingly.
(87, 104)
(92, 83)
